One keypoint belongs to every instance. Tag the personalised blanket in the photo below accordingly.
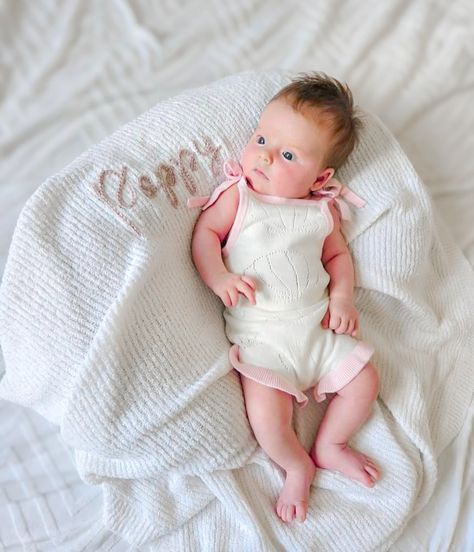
(108, 332)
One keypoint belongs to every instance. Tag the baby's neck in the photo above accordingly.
(250, 185)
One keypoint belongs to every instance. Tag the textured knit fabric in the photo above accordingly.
(279, 342)
(108, 331)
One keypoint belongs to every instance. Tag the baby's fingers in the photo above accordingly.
(245, 289)
(234, 296)
(325, 320)
(248, 281)
(356, 327)
(342, 329)
(226, 299)
(334, 322)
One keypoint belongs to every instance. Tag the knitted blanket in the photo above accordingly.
(108, 332)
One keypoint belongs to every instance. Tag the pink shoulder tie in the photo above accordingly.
(335, 190)
(233, 173)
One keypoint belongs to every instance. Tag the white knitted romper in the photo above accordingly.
(279, 342)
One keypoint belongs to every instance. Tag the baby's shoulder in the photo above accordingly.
(220, 216)
(228, 200)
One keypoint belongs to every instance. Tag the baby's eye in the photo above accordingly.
(260, 140)
(288, 155)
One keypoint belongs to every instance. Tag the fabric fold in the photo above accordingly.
(108, 332)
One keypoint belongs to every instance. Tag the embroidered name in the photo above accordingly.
(120, 193)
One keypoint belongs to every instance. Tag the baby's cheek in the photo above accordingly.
(245, 159)
(287, 172)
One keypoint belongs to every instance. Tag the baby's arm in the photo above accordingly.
(210, 231)
(341, 316)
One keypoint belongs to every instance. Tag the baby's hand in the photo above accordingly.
(228, 286)
(341, 316)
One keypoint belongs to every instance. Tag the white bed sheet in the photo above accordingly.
(73, 72)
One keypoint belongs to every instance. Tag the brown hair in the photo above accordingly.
(329, 98)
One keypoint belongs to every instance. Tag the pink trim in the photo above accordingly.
(244, 186)
(239, 219)
(316, 200)
(233, 169)
(345, 372)
(197, 201)
(218, 191)
(265, 376)
(327, 212)
(233, 172)
(353, 197)
(335, 190)
(278, 200)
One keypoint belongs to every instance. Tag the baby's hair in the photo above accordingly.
(328, 98)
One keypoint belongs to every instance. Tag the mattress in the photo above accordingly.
(75, 72)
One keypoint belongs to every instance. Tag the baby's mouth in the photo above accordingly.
(261, 173)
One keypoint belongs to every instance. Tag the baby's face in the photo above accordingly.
(284, 156)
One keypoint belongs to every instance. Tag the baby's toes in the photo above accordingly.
(365, 478)
(290, 512)
(278, 509)
(372, 470)
(301, 511)
(281, 510)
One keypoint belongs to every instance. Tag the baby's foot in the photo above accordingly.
(293, 499)
(346, 460)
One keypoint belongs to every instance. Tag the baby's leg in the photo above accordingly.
(346, 412)
(270, 413)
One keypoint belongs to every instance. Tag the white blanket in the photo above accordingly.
(108, 332)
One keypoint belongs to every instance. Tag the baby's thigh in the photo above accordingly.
(267, 407)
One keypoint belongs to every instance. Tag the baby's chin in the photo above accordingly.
(258, 183)
(254, 186)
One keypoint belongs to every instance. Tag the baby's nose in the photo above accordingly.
(265, 157)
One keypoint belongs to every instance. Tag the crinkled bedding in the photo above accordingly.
(73, 73)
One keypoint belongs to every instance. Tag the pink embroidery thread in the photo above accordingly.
(102, 194)
(147, 186)
(167, 179)
(212, 151)
(185, 155)
(186, 164)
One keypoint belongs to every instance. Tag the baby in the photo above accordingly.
(269, 244)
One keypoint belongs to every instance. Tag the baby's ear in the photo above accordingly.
(323, 179)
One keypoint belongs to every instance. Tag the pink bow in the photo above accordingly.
(233, 170)
(233, 173)
(334, 189)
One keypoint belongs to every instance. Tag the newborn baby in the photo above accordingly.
(269, 244)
